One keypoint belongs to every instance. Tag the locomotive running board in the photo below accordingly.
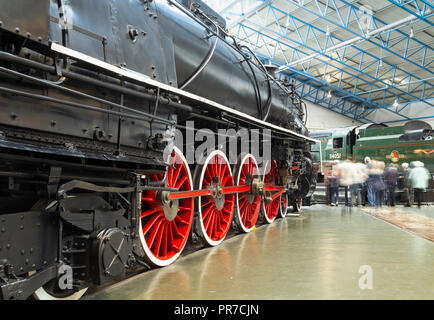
(135, 76)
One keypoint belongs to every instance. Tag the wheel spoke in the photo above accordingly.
(246, 214)
(169, 176)
(225, 180)
(154, 233)
(150, 223)
(170, 239)
(210, 229)
(176, 174)
(207, 220)
(148, 199)
(164, 242)
(180, 220)
(225, 220)
(244, 203)
(206, 201)
(217, 223)
(181, 182)
(176, 231)
(208, 175)
(212, 170)
(184, 208)
(206, 212)
(157, 243)
(150, 212)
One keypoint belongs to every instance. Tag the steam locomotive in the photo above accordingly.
(93, 179)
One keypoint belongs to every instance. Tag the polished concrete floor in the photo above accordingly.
(315, 256)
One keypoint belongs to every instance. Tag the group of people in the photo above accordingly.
(374, 184)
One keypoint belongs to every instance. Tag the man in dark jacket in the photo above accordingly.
(407, 184)
(391, 179)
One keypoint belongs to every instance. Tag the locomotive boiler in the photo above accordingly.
(94, 182)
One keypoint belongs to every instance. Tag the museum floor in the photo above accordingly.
(316, 256)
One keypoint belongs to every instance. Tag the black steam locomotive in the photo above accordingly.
(92, 96)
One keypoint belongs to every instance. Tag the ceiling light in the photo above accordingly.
(396, 104)
(329, 94)
(328, 78)
(412, 33)
(328, 31)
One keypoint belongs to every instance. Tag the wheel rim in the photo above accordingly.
(248, 206)
(165, 228)
(215, 213)
(44, 293)
(297, 205)
(284, 205)
(271, 178)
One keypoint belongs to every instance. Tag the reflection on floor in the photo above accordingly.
(315, 256)
(421, 226)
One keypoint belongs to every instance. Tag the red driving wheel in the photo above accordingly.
(215, 212)
(271, 177)
(248, 205)
(165, 225)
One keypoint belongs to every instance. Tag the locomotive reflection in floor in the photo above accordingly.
(315, 256)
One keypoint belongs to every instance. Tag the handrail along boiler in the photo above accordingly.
(91, 93)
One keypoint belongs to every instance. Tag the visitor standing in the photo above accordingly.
(419, 177)
(391, 179)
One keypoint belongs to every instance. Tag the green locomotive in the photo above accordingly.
(410, 142)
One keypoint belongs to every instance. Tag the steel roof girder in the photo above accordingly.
(259, 33)
(352, 10)
(424, 13)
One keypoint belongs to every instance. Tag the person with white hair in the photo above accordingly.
(370, 183)
(352, 175)
(419, 177)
